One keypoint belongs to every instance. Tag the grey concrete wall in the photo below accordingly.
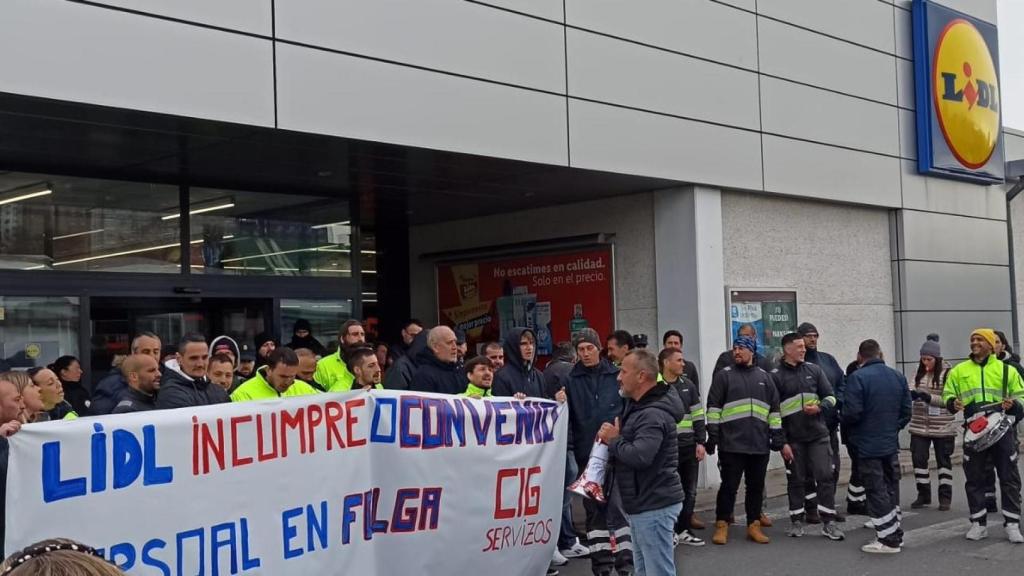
(630, 218)
(1014, 149)
(836, 257)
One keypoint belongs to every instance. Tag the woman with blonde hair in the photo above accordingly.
(58, 557)
(30, 395)
(51, 390)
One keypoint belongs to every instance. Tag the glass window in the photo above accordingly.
(254, 233)
(35, 331)
(84, 224)
(325, 317)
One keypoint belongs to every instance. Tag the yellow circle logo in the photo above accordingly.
(33, 351)
(965, 89)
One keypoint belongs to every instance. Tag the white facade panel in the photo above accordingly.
(905, 90)
(453, 36)
(829, 173)
(814, 59)
(908, 133)
(1013, 146)
(617, 72)
(927, 286)
(952, 238)
(809, 113)
(950, 196)
(834, 17)
(549, 9)
(983, 9)
(904, 35)
(632, 142)
(254, 16)
(330, 93)
(744, 4)
(113, 58)
(698, 27)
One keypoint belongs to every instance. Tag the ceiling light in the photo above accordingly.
(123, 253)
(25, 192)
(76, 234)
(319, 226)
(204, 207)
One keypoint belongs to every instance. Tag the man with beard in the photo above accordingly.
(332, 372)
(365, 369)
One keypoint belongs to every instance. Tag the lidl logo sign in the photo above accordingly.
(956, 65)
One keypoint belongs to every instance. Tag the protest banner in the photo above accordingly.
(378, 482)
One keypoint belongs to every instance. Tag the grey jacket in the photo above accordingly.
(645, 456)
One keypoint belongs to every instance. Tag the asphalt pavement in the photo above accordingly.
(934, 545)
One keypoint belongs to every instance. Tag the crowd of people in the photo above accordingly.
(646, 407)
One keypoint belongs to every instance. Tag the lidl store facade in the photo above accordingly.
(234, 165)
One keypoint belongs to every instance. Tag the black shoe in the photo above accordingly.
(812, 516)
(838, 517)
(944, 505)
(921, 502)
(856, 509)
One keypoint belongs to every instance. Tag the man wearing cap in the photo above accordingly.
(836, 378)
(981, 387)
(743, 419)
(592, 388)
(725, 358)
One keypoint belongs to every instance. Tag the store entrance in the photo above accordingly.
(114, 321)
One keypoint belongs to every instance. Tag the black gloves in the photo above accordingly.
(921, 396)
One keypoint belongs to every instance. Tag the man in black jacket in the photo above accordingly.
(744, 420)
(877, 407)
(143, 375)
(837, 378)
(593, 398)
(107, 392)
(644, 454)
(558, 368)
(674, 339)
(692, 437)
(437, 369)
(184, 382)
(804, 397)
(725, 358)
(518, 376)
(401, 373)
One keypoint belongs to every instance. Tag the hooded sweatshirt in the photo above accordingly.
(178, 390)
(517, 375)
(308, 342)
(646, 455)
(229, 342)
(400, 375)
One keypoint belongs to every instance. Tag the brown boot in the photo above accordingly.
(765, 521)
(754, 533)
(696, 523)
(721, 533)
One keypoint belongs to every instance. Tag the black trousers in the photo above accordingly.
(608, 535)
(919, 450)
(811, 486)
(1003, 458)
(881, 478)
(751, 468)
(688, 469)
(811, 461)
(856, 499)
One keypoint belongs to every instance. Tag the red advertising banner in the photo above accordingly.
(554, 294)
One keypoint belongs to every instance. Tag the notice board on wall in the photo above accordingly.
(553, 293)
(771, 312)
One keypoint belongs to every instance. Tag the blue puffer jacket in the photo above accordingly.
(593, 399)
(877, 407)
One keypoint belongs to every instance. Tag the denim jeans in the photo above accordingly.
(652, 541)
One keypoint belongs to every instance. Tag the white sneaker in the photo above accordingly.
(686, 537)
(1013, 534)
(978, 532)
(558, 560)
(869, 524)
(577, 550)
(877, 547)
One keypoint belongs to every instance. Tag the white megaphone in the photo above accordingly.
(591, 481)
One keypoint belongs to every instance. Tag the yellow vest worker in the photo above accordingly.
(480, 372)
(331, 371)
(275, 380)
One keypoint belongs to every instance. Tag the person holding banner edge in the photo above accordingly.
(592, 390)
